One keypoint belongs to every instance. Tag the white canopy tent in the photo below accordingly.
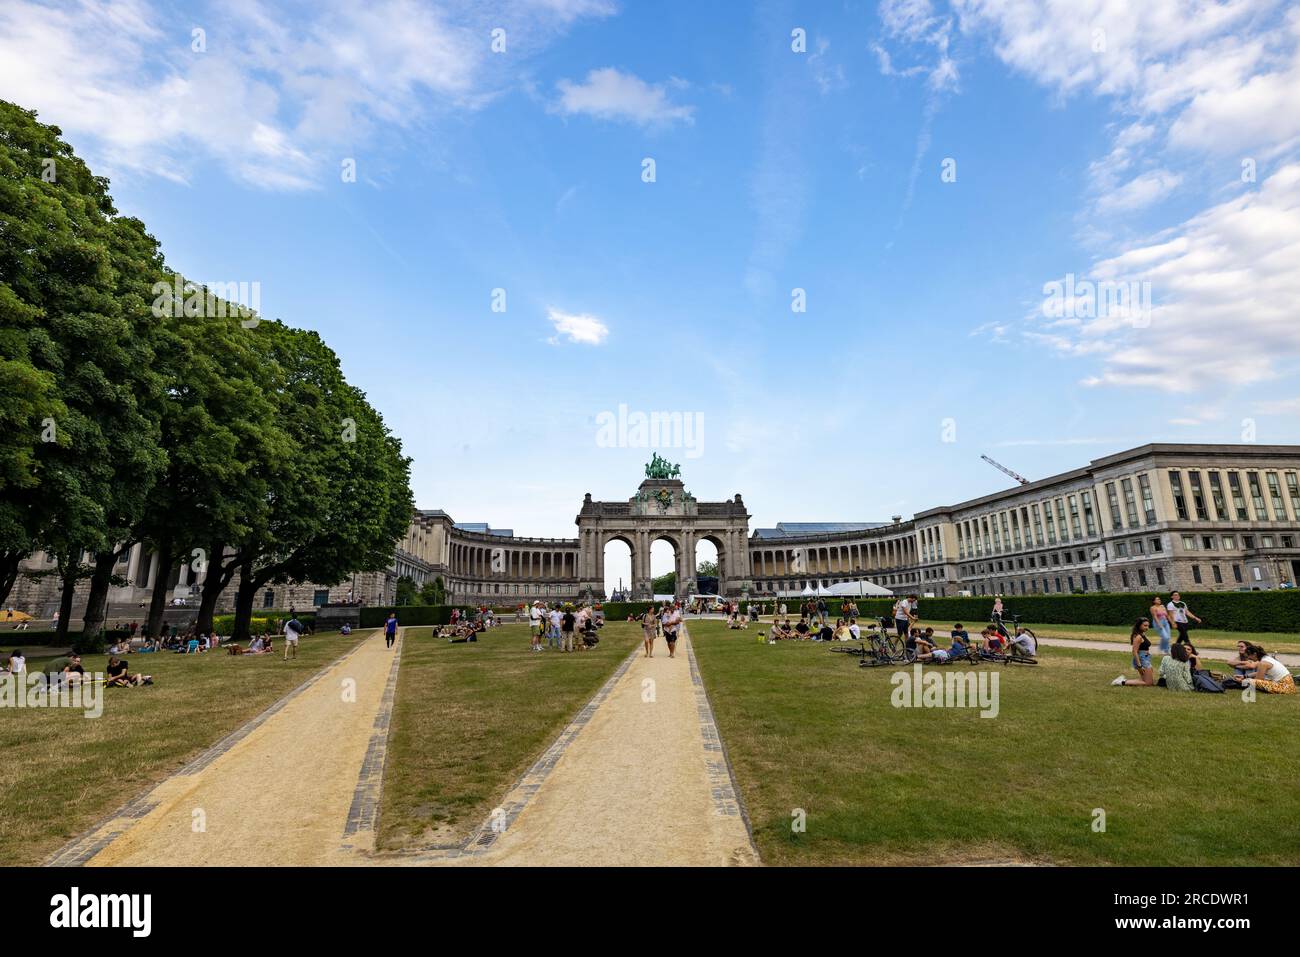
(861, 588)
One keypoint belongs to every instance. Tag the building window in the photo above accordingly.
(1160, 575)
(1123, 577)
(1207, 542)
(1238, 501)
(1288, 541)
(1248, 541)
(1071, 581)
(1121, 549)
(1218, 574)
(1257, 496)
(1089, 521)
(1266, 541)
(1189, 543)
(1148, 500)
(1060, 519)
(320, 596)
(1275, 495)
(1236, 574)
(1100, 587)
(1176, 487)
(1293, 491)
(1198, 495)
(1081, 556)
(1112, 497)
(1076, 530)
(1157, 545)
(1058, 584)
(1229, 542)
(1142, 576)
(1216, 493)
(268, 599)
(1196, 574)
(1051, 525)
(1138, 548)
(1038, 525)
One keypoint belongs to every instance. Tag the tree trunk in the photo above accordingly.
(100, 580)
(244, 598)
(158, 597)
(9, 562)
(215, 582)
(69, 566)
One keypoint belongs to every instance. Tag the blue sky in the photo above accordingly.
(1157, 144)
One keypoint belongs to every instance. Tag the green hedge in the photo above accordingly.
(374, 617)
(50, 639)
(1226, 611)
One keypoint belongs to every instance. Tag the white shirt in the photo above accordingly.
(556, 618)
(855, 631)
(901, 609)
(535, 614)
(1178, 611)
(18, 664)
(289, 633)
(1276, 670)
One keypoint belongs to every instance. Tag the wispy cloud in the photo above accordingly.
(576, 327)
(610, 94)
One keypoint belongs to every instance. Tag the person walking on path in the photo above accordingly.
(292, 632)
(390, 629)
(649, 629)
(671, 624)
(1181, 613)
(1160, 621)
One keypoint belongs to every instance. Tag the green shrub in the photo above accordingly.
(374, 617)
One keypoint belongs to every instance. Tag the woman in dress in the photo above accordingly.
(1160, 621)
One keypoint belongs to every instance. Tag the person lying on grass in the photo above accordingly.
(1270, 676)
(119, 675)
(1140, 645)
(927, 650)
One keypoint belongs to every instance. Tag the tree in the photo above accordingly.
(707, 569)
(340, 503)
(405, 592)
(219, 424)
(665, 584)
(434, 592)
(76, 331)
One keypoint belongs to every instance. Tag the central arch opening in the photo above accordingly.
(708, 567)
(663, 566)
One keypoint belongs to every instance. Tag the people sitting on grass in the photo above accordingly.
(785, 631)
(1140, 645)
(991, 640)
(959, 632)
(803, 630)
(1176, 669)
(1240, 662)
(118, 675)
(64, 670)
(842, 632)
(1025, 641)
(1270, 675)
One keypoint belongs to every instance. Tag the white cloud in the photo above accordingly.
(574, 327)
(1227, 289)
(1141, 191)
(274, 101)
(610, 94)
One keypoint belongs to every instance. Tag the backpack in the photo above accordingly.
(1204, 681)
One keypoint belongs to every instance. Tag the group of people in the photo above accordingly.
(812, 629)
(665, 621)
(1253, 666)
(563, 627)
(67, 670)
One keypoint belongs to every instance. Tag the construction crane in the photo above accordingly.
(1002, 468)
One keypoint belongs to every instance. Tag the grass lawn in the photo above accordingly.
(63, 772)
(807, 729)
(469, 719)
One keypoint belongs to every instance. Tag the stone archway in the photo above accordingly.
(663, 508)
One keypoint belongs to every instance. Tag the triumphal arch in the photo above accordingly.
(663, 508)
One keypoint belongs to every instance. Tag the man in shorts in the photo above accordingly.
(292, 632)
(535, 622)
(671, 624)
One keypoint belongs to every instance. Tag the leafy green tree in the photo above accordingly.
(405, 593)
(434, 592)
(665, 584)
(73, 280)
(342, 500)
(707, 569)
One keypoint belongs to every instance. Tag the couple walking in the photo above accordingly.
(669, 619)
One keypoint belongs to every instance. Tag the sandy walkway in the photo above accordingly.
(290, 791)
(642, 782)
